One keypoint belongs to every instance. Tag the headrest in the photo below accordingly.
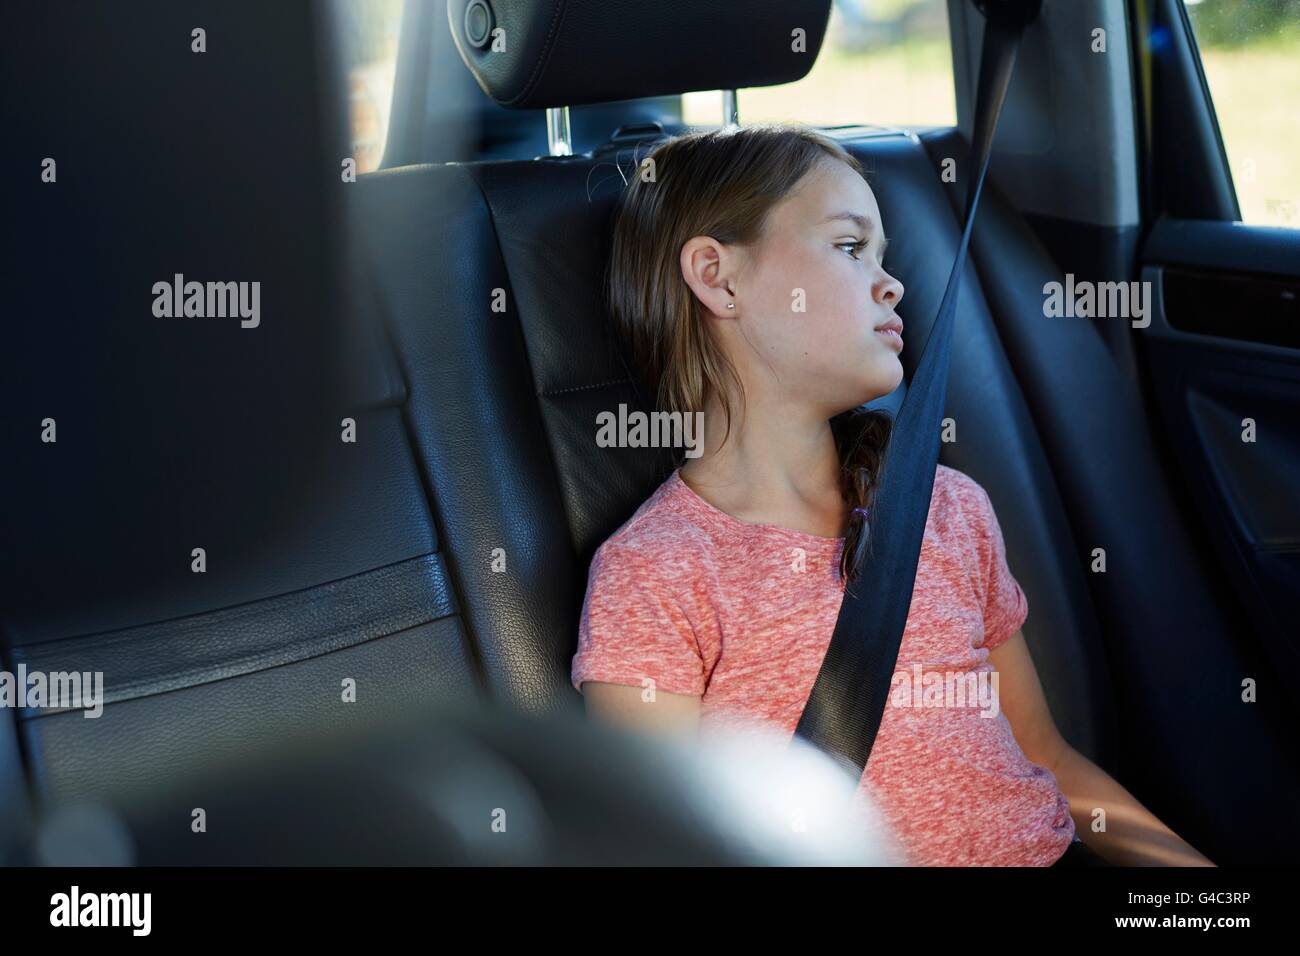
(534, 54)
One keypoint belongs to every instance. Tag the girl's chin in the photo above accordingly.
(890, 380)
(877, 387)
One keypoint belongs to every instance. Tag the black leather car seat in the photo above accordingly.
(502, 405)
(320, 559)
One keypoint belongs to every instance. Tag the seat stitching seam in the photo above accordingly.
(579, 388)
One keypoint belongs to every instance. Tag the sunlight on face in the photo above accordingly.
(814, 292)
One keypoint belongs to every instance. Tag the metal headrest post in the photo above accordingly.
(559, 138)
(730, 109)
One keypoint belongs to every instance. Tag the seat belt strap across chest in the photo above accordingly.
(847, 702)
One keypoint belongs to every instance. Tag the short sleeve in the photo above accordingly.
(1005, 604)
(635, 624)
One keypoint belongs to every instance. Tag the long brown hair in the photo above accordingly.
(720, 183)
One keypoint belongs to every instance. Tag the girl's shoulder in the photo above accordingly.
(959, 504)
(661, 531)
(956, 486)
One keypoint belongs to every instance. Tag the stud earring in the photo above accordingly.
(731, 305)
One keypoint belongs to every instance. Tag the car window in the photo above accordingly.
(1250, 52)
(884, 62)
(368, 31)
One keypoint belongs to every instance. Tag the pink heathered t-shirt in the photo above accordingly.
(741, 614)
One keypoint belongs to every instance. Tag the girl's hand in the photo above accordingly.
(1134, 836)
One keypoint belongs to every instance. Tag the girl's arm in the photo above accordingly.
(637, 708)
(1133, 835)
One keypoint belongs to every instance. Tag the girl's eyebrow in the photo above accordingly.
(862, 222)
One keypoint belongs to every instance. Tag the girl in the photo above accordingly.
(746, 279)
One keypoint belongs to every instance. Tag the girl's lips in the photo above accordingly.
(891, 335)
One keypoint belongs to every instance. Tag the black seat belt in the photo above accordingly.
(847, 702)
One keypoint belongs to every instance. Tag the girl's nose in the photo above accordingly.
(890, 290)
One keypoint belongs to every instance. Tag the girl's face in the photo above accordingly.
(812, 297)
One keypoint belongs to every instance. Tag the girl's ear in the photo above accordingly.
(705, 264)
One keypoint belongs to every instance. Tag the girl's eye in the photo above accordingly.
(854, 247)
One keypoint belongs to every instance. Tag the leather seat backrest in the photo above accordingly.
(199, 530)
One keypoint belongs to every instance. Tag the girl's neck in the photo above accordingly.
(771, 471)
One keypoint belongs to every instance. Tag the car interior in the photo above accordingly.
(447, 305)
